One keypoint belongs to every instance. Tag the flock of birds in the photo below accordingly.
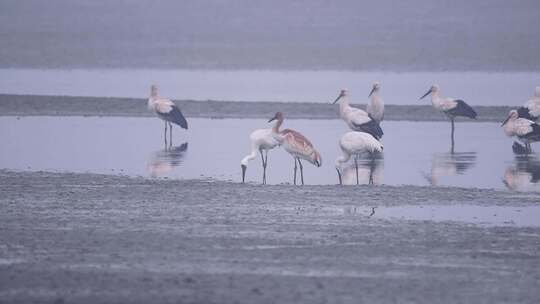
(365, 134)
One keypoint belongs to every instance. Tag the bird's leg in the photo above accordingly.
(452, 135)
(165, 136)
(339, 176)
(356, 166)
(295, 170)
(264, 166)
(301, 171)
(170, 134)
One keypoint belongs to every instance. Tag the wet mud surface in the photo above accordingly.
(34, 105)
(98, 238)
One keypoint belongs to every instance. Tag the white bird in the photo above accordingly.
(357, 119)
(262, 140)
(450, 106)
(375, 107)
(166, 110)
(356, 143)
(527, 131)
(297, 145)
(531, 109)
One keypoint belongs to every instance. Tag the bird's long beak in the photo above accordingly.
(427, 93)
(340, 95)
(272, 119)
(505, 121)
(371, 93)
(244, 167)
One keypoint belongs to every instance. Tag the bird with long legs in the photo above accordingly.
(167, 111)
(357, 119)
(526, 131)
(262, 140)
(451, 107)
(375, 106)
(355, 144)
(297, 145)
(531, 109)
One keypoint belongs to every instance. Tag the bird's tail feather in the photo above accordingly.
(178, 118)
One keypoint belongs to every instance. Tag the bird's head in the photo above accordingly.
(434, 88)
(278, 116)
(513, 114)
(153, 90)
(376, 87)
(342, 93)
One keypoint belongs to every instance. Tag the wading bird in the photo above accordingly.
(357, 119)
(297, 145)
(375, 107)
(355, 144)
(531, 109)
(262, 140)
(527, 131)
(167, 110)
(450, 106)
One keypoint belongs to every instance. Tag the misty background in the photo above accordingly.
(418, 35)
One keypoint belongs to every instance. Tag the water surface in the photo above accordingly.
(416, 153)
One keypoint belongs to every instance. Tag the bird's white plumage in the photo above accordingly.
(352, 116)
(518, 127)
(375, 106)
(354, 143)
(533, 105)
(261, 139)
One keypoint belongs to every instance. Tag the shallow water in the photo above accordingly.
(416, 153)
(470, 214)
(477, 88)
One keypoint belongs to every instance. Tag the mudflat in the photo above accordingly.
(36, 105)
(102, 238)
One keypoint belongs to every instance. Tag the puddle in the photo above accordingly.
(478, 215)
(415, 153)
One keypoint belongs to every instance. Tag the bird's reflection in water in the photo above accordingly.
(449, 164)
(164, 161)
(524, 174)
(370, 171)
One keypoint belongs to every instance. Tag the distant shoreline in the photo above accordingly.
(40, 105)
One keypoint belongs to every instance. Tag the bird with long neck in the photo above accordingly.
(355, 144)
(527, 131)
(262, 140)
(167, 111)
(451, 107)
(357, 119)
(375, 106)
(296, 144)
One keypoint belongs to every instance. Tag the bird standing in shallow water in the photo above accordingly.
(297, 145)
(357, 119)
(450, 106)
(527, 131)
(166, 110)
(375, 106)
(354, 144)
(531, 109)
(261, 140)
